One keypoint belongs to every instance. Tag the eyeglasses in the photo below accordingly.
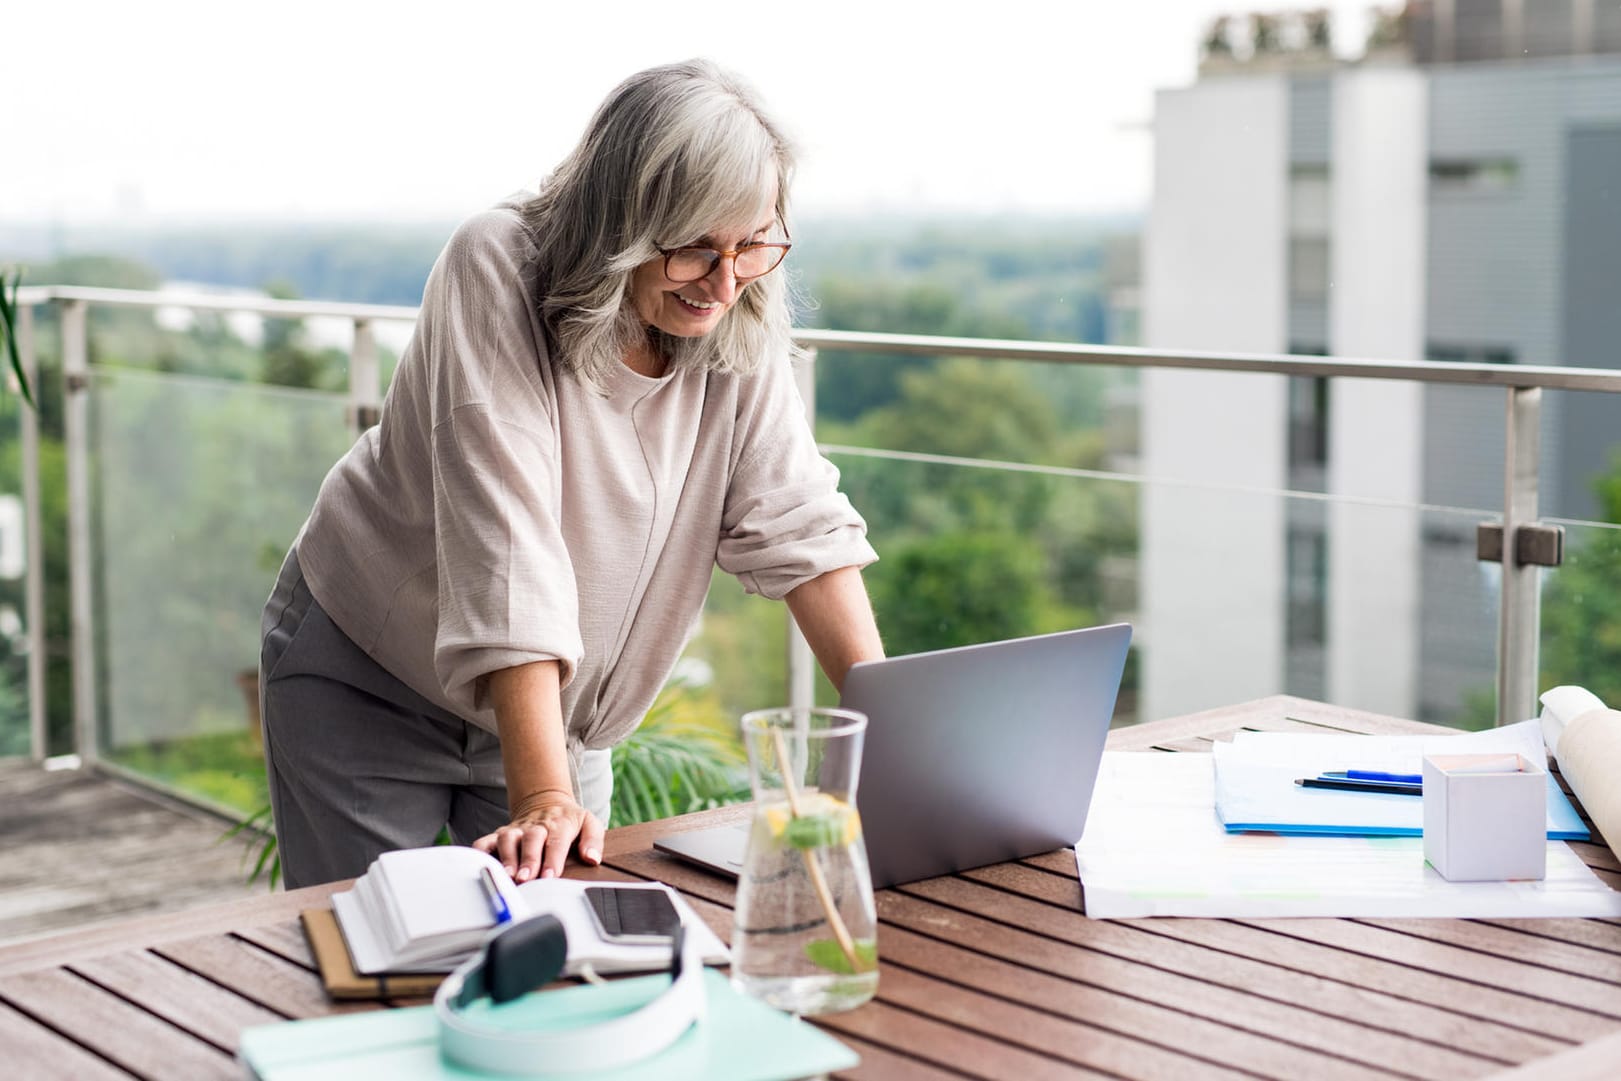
(748, 262)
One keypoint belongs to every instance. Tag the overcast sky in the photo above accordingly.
(405, 110)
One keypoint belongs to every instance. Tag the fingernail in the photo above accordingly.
(548, 873)
(523, 873)
(594, 855)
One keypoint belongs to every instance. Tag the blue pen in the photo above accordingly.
(503, 914)
(1376, 775)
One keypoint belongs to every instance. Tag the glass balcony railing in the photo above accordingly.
(200, 486)
(1006, 489)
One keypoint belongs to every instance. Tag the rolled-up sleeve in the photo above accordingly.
(785, 520)
(506, 588)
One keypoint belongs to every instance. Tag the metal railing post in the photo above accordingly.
(33, 542)
(1519, 616)
(801, 663)
(364, 409)
(76, 447)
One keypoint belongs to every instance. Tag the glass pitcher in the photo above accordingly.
(805, 933)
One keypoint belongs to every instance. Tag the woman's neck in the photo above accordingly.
(647, 359)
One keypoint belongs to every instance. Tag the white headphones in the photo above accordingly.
(519, 957)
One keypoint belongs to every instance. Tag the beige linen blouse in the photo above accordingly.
(503, 511)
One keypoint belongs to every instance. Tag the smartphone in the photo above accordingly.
(632, 916)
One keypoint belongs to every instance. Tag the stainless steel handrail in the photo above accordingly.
(1517, 632)
(1422, 371)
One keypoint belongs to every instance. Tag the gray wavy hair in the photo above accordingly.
(673, 153)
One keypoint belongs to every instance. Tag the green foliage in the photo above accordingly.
(815, 831)
(870, 381)
(826, 953)
(13, 658)
(226, 768)
(962, 588)
(9, 331)
(744, 646)
(384, 264)
(973, 554)
(267, 858)
(14, 734)
(990, 279)
(1607, 490)
(195, 479)
(1477, 712)
(969, 553)
(1581, 605)
(685, 757)
(175, 510)
(288, 360)
(964, 408)
(98, 272)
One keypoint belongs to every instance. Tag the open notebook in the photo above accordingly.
(426, 910)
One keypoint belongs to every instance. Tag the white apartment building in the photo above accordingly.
(1319, 538)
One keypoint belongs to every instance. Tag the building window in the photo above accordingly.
(1306, 619)
(1308, 268)
(1549, 28)
(1473, 175)
(1453, 353)
(1477, 27)
(1308, 423)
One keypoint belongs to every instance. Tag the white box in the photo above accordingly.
(1485, 817)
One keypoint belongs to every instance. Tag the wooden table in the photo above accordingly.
(994, 973)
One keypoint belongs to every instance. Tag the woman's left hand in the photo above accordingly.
(544, 826)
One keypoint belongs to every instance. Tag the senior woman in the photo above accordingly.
(597, 407)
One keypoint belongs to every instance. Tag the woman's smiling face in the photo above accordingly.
(692, 309)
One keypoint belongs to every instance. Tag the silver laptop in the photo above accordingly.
(973, 755)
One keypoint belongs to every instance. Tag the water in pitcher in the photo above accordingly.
(805, 932)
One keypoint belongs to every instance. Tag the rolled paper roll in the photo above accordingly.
(1589, 758)
(1562, 705)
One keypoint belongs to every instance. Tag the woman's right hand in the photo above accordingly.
(546, 819)
(544, 826)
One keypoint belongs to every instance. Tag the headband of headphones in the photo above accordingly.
(519, 957)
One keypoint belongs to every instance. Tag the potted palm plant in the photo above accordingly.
(10, 287)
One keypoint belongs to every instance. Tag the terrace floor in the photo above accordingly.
(77, 848)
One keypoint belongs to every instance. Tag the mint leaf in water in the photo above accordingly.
(815, 831)
(825, 953)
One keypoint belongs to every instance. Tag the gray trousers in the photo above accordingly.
(360, 764)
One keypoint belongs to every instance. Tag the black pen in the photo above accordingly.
(1388, 788)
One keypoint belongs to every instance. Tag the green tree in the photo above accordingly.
(1581, 605)
(288, 360)
(962, 588)
(859, 382)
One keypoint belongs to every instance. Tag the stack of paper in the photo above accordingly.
(416, 907)
(1154, 847)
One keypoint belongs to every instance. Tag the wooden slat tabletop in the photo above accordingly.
(994, 973)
